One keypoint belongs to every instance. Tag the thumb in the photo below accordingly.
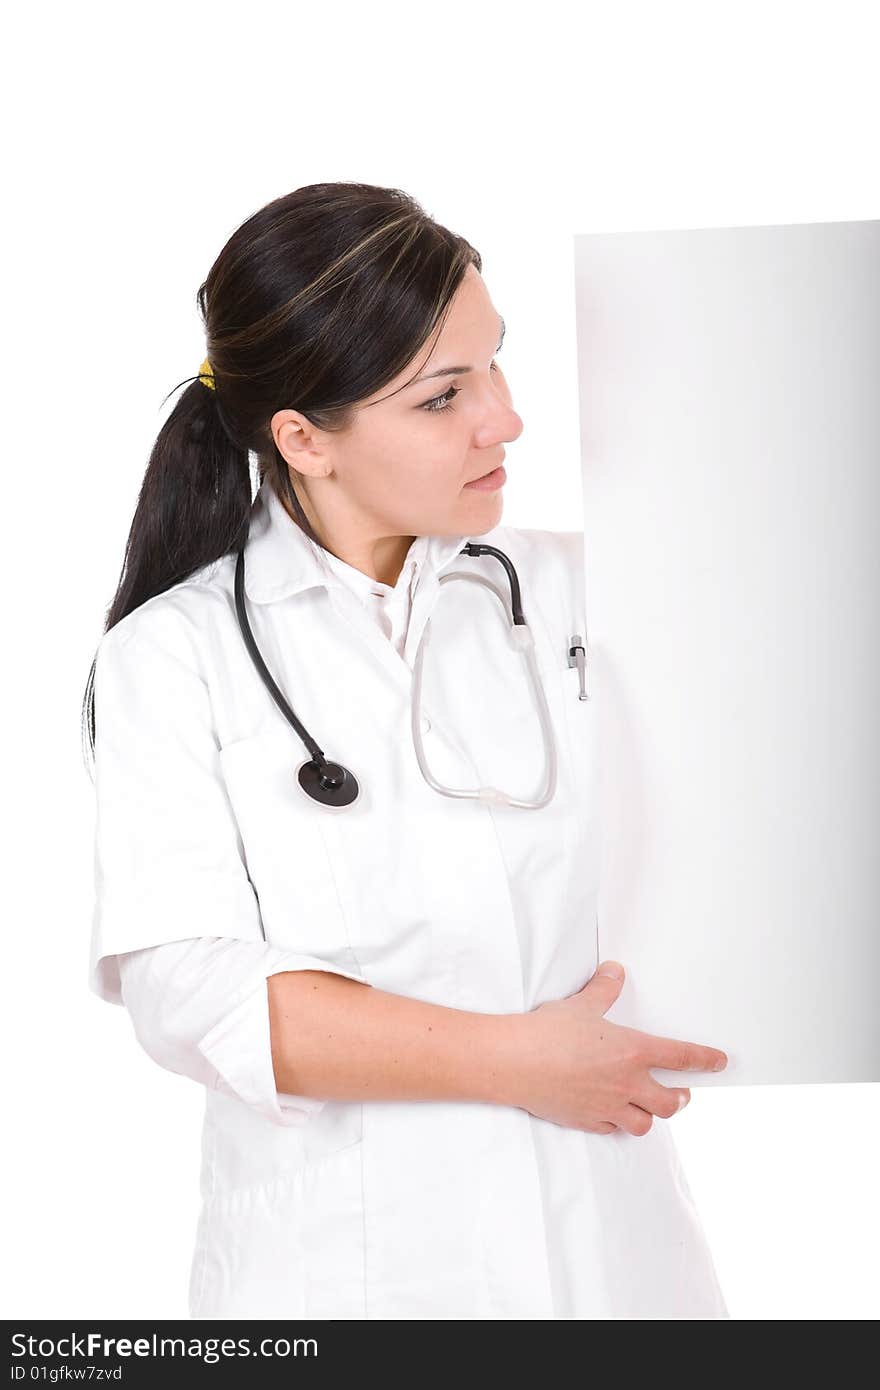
(605, 985)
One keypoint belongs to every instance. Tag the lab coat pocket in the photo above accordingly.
(290, 1248)
(284, 847)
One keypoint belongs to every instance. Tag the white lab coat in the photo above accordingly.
(378, 1209)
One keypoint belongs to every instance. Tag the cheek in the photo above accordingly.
(431, 467)
(414, 471)
(443, 477)
(385, 471)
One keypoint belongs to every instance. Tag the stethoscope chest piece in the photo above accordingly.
(332, 786)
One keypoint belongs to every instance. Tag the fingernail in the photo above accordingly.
(720, 1064)
(682, 1101)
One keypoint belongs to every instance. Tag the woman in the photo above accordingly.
(414, 1105)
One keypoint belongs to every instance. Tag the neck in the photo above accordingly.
(379, 557)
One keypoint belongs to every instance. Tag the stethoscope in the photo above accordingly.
(336, 787)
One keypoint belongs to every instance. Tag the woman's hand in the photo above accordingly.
(583, 1072)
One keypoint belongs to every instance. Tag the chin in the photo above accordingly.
(484, 518)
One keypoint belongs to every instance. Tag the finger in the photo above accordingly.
(664, 1101)
(678, 1055)
(604, 985)
(634, 1120)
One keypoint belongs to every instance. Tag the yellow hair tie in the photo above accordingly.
(206, 374)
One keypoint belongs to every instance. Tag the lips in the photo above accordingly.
(484, 475)
(488, 482)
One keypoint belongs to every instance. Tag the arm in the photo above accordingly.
(339, 1039)
(562, 1061)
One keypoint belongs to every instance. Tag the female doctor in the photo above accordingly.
(369, 930)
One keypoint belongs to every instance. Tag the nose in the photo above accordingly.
(505, 427)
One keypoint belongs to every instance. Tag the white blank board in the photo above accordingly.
(730, 424)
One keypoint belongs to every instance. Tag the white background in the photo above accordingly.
(136, 141)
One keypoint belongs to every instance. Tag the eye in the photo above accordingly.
(441, 402)
(444, 402)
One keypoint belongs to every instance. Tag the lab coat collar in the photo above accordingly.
(281, 560)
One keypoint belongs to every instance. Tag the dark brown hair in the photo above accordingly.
(316, 302)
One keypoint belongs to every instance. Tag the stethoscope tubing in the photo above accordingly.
(334, 786)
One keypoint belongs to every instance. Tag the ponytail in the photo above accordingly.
(194, 502)
(193, 507)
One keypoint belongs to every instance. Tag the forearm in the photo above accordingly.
(336, 1039)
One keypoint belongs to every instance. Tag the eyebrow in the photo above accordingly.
(453, 371)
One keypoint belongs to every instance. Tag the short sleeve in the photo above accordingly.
(200, 1008)
(166, 857)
